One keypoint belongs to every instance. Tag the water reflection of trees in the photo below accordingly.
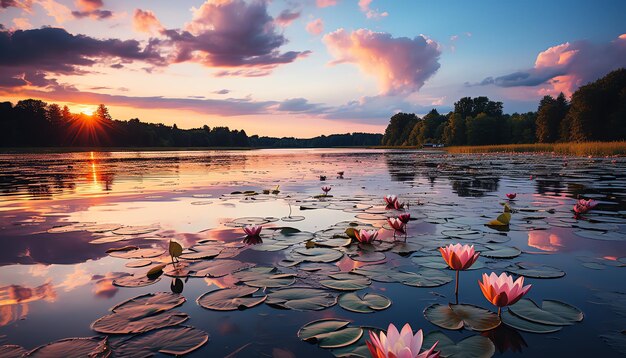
(474, 186)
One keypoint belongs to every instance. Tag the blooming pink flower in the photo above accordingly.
(366, 236)
(401, 344)
(501, 290)
(252, 230)
(459, 257)
(396, 224)
(582, 205)
(511, 195)
(404, 217)
(326, 189)
(392, 202)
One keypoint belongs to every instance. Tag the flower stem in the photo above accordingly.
(499, 312)
(456, 287)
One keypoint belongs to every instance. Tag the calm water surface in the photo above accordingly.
(55, 282)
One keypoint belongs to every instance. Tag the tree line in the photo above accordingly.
(35, 123)
(596, 112)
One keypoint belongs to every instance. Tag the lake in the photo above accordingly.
(63, 215)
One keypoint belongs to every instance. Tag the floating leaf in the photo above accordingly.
(122, 249)
(12, 351)
(73, 347)
(514, 321)
(346, 282)
(554, 313)
(138, 263)
(230, 299)
(178, 341)
(217, 268)
(470, 347)
(330, 333)
(301, 299)
(135, 281)
(154, 302)
(461, 316)
(367, 303)
(535, 271)
(500, 252)
(137, 320)
(156, 271)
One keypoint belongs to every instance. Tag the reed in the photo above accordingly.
(572, 148)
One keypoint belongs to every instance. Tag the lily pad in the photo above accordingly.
(470, 347)
(73, 347)
(12, 351)
(534, 270)
(301, 299)
(346, 282)
(135, 281)
(217, 268)
(554, 313)
(518, 323)
(500, 252)
(137, 320)
(179, 340)
(367, 303)
(230, 299)
(330, 333)
(461, 316)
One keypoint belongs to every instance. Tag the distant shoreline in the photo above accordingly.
(26, 150)
(571, 148)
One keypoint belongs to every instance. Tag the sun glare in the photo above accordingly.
(85, 109)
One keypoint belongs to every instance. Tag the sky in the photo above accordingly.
(301, 68)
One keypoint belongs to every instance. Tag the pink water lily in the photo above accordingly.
(392, 202)
(252, 230)
(404, 217)
(326, 189)
(511, 195)
(397, 225)
(501, 290)
(458, 257)
(582, 205)
(401, 344)
(366, 236)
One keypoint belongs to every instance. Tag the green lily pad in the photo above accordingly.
(518, 323)
(217, 268)
(553, 313)
(461, 316)
(301, 299)
(500, 252)
(178, 341)
(330, 333)
(534, 270)
(346, 282)
(470, 347)
(231, 299)
(367, 303)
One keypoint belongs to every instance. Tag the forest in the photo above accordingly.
(595, 112)
(35, 123)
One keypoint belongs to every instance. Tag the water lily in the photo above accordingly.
(582, 205)
(252, 230)
(401, 344)
(459, 257)
(326, 189)
(392, 202)
(501, 290)
(397, 225)
(404, 217)
(511, 195)
(366, 236)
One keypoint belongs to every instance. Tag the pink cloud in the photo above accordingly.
(565, 67)
(315, 27)
(401, 65)
(286, 17)
(232, 34)
(364, 5)
(326, 3)
(22, 23)
(146, 21)
(60, 12)
(89, 5)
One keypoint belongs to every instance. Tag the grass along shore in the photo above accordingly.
(572, 148)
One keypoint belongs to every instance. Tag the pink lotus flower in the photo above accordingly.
(252, 230)
(501, 290)
(399, 344)
(582, 206)
(459, 257)
(326, 189)
(392, 202)
(405, 217)
(366, 236)
(396, 224)
(511, 195)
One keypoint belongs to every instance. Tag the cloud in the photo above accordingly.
(22, 23)
(232, 34)
(364, 5)
(60, 12)
(315, 27)
(89, 5)
(299, 105)
(401, 65)
(27, 57)
(20, 4)
(222, 91)
(286, 17)
(91, 9)
(565, 67)
(146, 21)
(326, 3)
